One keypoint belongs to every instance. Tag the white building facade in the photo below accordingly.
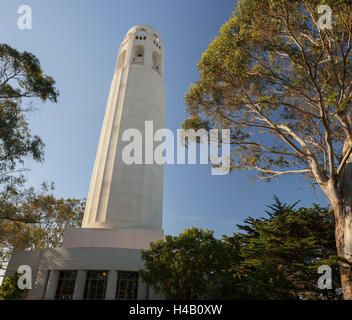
(124, 206)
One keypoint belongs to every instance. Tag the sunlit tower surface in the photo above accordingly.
(123, 214)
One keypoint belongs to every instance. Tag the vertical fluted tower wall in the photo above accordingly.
(121, 195)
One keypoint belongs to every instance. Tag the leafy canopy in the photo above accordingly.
(293, 244)
(21, 77)
(282, 85)
(274, 257)
(191, 266)
(35, 220)
(9, 289)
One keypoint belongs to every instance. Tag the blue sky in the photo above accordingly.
(77, 43)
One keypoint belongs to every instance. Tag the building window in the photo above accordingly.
(156, 61)
(95, 285)
(66, 285)
(138, 56)
(127, 285)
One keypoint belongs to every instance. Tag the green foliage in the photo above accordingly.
(28, 219)
(9, 289)
(271, 258)
(264, 282)
(191, 266)
(282, 84)
(195, 123)
(31, 220)
(294, 242)
(21, 77)
(271, 76)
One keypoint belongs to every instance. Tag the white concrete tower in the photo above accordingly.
(125, 201)
(124, 206)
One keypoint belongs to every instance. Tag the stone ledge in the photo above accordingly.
(111, 238)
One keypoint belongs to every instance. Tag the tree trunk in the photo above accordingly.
(342, 205)
(342, 230)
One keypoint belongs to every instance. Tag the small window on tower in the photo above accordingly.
(156, 61)
(138, 54)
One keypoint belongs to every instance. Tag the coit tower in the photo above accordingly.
(127, 198)
(123, 215)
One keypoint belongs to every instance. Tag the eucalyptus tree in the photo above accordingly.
(22, 82)
(281, 79)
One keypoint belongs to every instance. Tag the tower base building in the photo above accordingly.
(123, 214)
